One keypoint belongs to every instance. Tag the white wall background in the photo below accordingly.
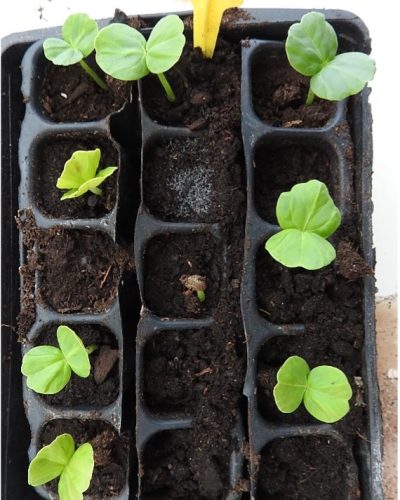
(381, 17)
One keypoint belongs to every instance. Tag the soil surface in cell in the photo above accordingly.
(279, 94)
(110, 453)
(167, 260)
(69, 94)
(79, 270)
(174, 467)
(278, 170)
(48, 166)
(307, 468)
(101, 387)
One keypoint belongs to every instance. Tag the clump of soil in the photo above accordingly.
(278, 169)
(279, 94)
(87, 391)
(167, 259)
(307, 468)
(79, 270)
(175, 468)
(48, 165)
(69, 94)
(349, 262)
(184, 179)
(110, 452)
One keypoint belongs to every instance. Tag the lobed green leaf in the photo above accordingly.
(292, 384)
(76, 477)
(74, 351)
(80, 31)
(60, 52)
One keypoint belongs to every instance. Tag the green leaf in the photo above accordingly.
(292, 384)
(311, 44)
(76, 477)
(51, 460)
(346, 75)
(74, 351)
(46, 369)
(307, 216)
(294, 248)
(60, 52)
(328, 393)
(121, 52)
(165, 44)
(80, 31)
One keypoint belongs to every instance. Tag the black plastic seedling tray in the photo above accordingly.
(23, 413)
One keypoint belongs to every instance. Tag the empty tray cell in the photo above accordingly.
(110, 452)
(79, 270)
(317, 346)
(169, 262)
(279, 93)
(48, 158)
(174, 467)
(281, 165)
(307, 468)
(101, 388)
(193, 179)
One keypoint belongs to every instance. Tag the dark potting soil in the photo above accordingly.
(69, 94)
(79, 270)
(307, 468)
(167, 260)
(48, 165)
(91, 390)
(278, 169)
(279, 94)
(174, 467)
(110, 452)
(188, 179)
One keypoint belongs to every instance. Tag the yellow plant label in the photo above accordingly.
(207, 15)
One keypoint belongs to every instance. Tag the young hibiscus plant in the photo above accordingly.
(324, 390)
(77, 43)
(307, 216)
(124, 53)
(60, 459)
(48, 369)
(311, 48)
(80, 174)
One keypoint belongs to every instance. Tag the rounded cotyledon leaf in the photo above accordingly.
(81, 167)
(51, 460)
(90, 185)
(76, 477)
(328, 394)
(121, 52)
(292, 384)
(80, 31)
(46, 369)
(74, 351)
(59, 52)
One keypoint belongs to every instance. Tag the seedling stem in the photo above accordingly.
(310, 97)
(167, 87)
(91, 348)
(93, 74)
(201, 295)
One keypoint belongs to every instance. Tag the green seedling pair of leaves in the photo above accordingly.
(80, 174)
(311, 48)
(60, 459)
(48, 369)
(78, 34)
(124, 53)
(324, 390)
(307, 216)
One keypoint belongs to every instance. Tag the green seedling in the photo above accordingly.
(48, 368)
(307, 216)
(324, 390)
(311, 48)
(124, 53)
(80, 174)
(77, 42)
(60, 459)
(194, 283)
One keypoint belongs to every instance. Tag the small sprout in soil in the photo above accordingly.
(80, 174)
(124, 53)
(48, 368)
(195, 284)
(307, 216)
(60, 459)
(311, 48)
(325, 390)
(207, 16)
(78, 34)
